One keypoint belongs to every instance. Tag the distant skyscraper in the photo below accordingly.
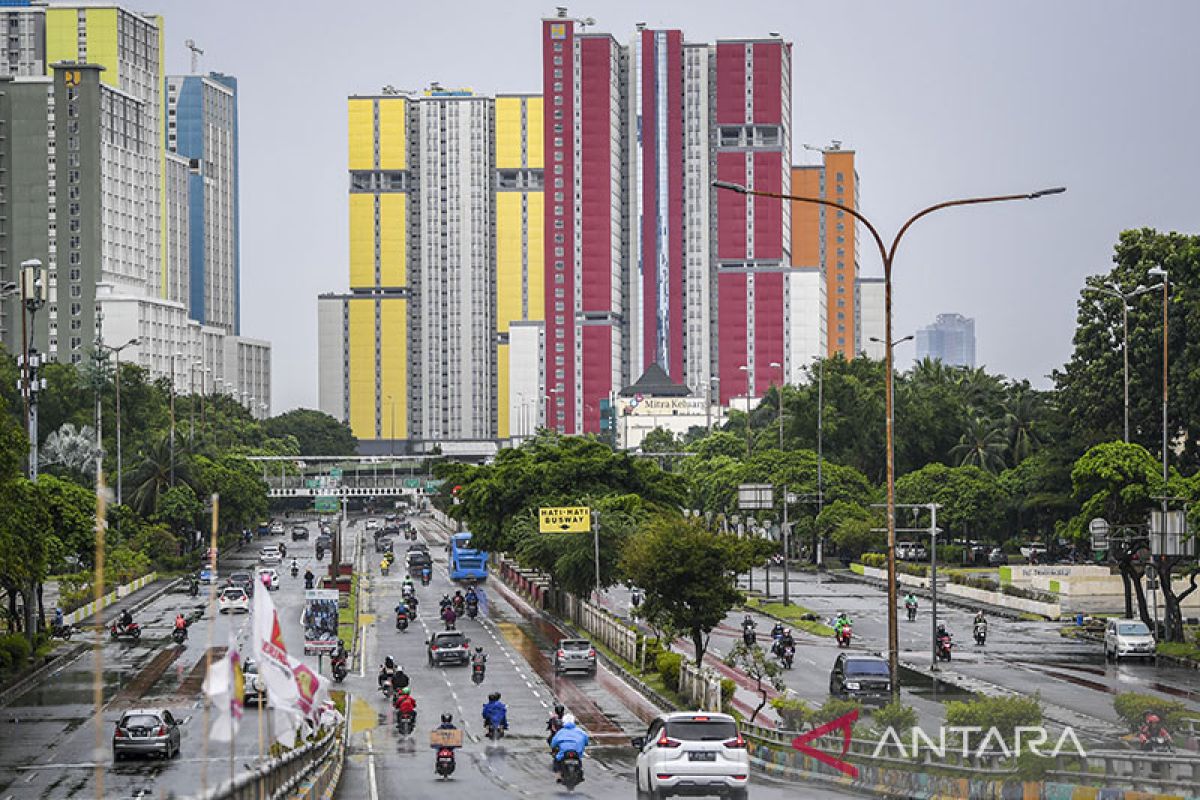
(869, 315)
(202, 127)
(951, 339)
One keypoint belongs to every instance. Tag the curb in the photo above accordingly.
(943, 599)
(66, 656)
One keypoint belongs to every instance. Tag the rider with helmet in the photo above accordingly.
(495, 713)
(570, 737)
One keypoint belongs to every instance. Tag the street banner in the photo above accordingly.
(320, 620)
(224, 687)
(275, 668)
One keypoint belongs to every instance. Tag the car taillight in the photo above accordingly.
(120, 733)
(664, 776)
(592, 653)
(433, 648)
(736, 744)
(739, 777)
(663, 741)
(162, 731)
(561, 654)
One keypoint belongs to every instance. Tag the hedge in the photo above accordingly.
(1131, 707)
(14, 650)
(669, 665)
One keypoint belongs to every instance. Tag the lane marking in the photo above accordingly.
(372, 786)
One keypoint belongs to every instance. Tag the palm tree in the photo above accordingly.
(152, 476)
(982, 445)
(981, 392)
(1021, 411)
(71, 448)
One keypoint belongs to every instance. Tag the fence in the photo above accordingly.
(611, 632)
(911, 771)
(87, 610)
(308, 771)
(701, 686)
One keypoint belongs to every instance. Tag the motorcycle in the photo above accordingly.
(444, 765)
(295, 571)
(748, 636)
(944, 644)
(911, 608)
(786, 656)
(320, 554)
(340, 670)
(179, 635)
(494, 732)
(64, 632)
(401, 621)
(981, 634)
(194, 588)
(570, 770)
(385, 681)
(1160, 742)
(458, 606)
(845, 634)
(425, 578)
(132, 631)
(383, 567)
(406, 721)
(308, 582)
(477, 672)
(472, 610)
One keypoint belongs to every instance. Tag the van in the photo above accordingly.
(1127, 638)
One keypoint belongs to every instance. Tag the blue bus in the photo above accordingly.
(465, 561)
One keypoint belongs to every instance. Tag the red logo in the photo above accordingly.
(846, 725)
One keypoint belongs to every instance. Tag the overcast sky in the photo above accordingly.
(940, 100)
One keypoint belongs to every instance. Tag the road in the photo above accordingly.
(1019, 655)
(383, 764)
(48, 735)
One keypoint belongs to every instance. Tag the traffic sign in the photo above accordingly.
(565, 519)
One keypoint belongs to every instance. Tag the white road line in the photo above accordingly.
(372, 787)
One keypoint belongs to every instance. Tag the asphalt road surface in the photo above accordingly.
(383, 764)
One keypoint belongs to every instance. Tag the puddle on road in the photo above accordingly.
(71, 688)
(931, 688)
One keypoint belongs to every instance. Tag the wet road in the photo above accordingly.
(383, 764)
(48, 735)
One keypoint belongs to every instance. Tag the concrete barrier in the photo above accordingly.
(85, 611)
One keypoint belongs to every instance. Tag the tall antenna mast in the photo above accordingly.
(190, 44)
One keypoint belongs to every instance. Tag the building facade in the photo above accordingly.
(870, 317)
(202, 127)
(950, 339)
(440, 335)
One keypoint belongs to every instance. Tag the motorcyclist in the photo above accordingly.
(980, 619)
(479, 657)
(786, 640)
(458, 601)
(1152, 726)
(748, 622)
(445, 601)
(341, 654)
(295, 566)
(777, 631)
(387, 670)
(124, 620)
(447, 725)
(400, 679)
(569, 737)
(495, 713)
(426, 574)
(309, 578)
(841, 621)
(448, 616)
(402, 607)
(58, 618)
(383, 565)
(407, 589)
(283, 549)
(180, 622)
(555, 722)
(406, 703)
(472, 597)
(910, 600)
(942, 635)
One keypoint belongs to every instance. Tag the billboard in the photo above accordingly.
(643, 406)
(320, 620)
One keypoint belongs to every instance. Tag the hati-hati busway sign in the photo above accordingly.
(565, 519)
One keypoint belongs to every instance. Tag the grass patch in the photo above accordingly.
(857, 569)
(1182, 650)
(798, 616)
(347, 616)
(1028, 616)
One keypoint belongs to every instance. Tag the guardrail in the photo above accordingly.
(88, 609)
(702, 686)
(284, 776)
(1155, 771)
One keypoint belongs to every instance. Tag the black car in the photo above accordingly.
(417, 559)
(299, 532)
(242, 580)
(383, 545)
(324, 542)
(861, 677)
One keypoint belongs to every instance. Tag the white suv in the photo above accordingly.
(692, 752)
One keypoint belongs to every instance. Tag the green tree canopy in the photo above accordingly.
(972, 501)
(317, 433)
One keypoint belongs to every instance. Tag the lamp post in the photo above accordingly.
(1160, 272)
(1113, 290)
(820, 452)
(888, 254)
(116, 351)
(746, 369)
(708, 398)
(778, 366)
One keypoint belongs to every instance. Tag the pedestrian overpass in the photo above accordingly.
(346, 476)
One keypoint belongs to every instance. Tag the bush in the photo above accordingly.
(834, 708)
(653, 649)
(14, 649)
(728, 687)
(950, 553)
(1005, 714)
(877, 560)
(668, 667)
(793, 711)
(897, 716)
(1131, 707)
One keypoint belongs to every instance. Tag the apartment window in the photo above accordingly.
(840, 177)
(558, 59)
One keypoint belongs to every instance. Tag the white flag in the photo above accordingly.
(274, 666)
(224, 687)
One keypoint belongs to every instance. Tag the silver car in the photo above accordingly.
(575, 654)
(142, 731)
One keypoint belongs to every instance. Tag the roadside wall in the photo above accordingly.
(85, 611)
(1051, 610)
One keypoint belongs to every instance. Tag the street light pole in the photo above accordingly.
(1161, 272)
(746, 369)
(1113, 290)
(777, 365)
(888, 254)
(116, 351)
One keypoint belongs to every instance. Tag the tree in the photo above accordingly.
(23, 545)
(687, 572)
(852, 528)
(151, 476)
(243, 494)
(179, 508)
(1021, 413)
(972, 501)
(1090, 384)
(1117, 481)
(758, 667)
(982, 445)
(72, 510)
(72, 451)
(317, 433)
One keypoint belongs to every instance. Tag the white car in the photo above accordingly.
(1127, 638)
(277, 529)
(270, 555)
(268, 577)
(692, 752)
(372, 524)
(233, 598)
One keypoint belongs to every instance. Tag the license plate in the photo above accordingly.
(702, 756)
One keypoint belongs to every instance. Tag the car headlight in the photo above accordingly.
(853, 685)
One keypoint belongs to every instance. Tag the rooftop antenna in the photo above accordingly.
(561, 10)
(190, 44)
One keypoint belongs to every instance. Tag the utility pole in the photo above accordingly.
(33, 296)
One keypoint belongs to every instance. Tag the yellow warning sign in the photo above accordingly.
(565, 519)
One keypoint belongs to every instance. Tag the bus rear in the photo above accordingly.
(466, 562)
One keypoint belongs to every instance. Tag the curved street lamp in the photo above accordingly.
(888, 254)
